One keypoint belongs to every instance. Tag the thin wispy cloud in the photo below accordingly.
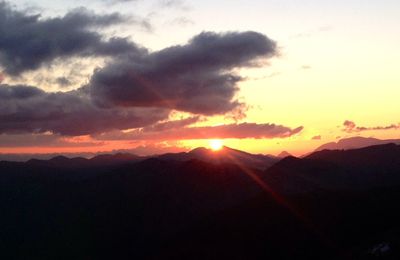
(239, 131)
(351, 127)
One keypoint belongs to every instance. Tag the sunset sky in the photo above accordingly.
(168, 75)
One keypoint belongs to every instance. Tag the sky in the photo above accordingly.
(161, 76)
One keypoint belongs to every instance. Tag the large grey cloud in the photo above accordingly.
(137, 88)
(29, 41)
(29, 109)
(197, 77)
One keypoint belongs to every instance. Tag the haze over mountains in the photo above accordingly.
(222, 156)
(342, 144)
(203, 205)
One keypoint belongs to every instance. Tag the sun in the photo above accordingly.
(216, 144)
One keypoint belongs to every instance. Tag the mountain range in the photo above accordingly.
(203, 204)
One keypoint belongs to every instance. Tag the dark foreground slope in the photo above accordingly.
(126, 210)
(170, 209)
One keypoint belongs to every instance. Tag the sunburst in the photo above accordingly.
(216, 144)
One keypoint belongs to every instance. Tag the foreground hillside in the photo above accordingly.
(330, 205)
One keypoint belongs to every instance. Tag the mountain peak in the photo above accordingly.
(199, 150)
(224, 155)
(59, 158)
(284, 154)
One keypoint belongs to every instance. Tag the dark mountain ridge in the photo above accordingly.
(374, 166)
(225, 155)
(330, 205)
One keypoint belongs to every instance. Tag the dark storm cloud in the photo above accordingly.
(196, 77)
(29, 109)
(239, 131)
(29, 41)
(350, 127)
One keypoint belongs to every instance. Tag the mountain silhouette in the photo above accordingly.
(102, 160)
(339, 204)
(225, 155)
(354, 143)
(283, 154)
(222, 156)
(114, 159)
(373, 166)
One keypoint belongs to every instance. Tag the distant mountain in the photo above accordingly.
(284, 154)
(364, 168)
(114, 159)
(10, 157)
(354, 143)
(97, 161)
(223, 156)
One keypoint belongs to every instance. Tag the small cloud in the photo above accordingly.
(349, 124)
(351, 127)
(312, 32)
(177, 4)
(182, 21)
(325, 28)
(305, 67)
(317, 137)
